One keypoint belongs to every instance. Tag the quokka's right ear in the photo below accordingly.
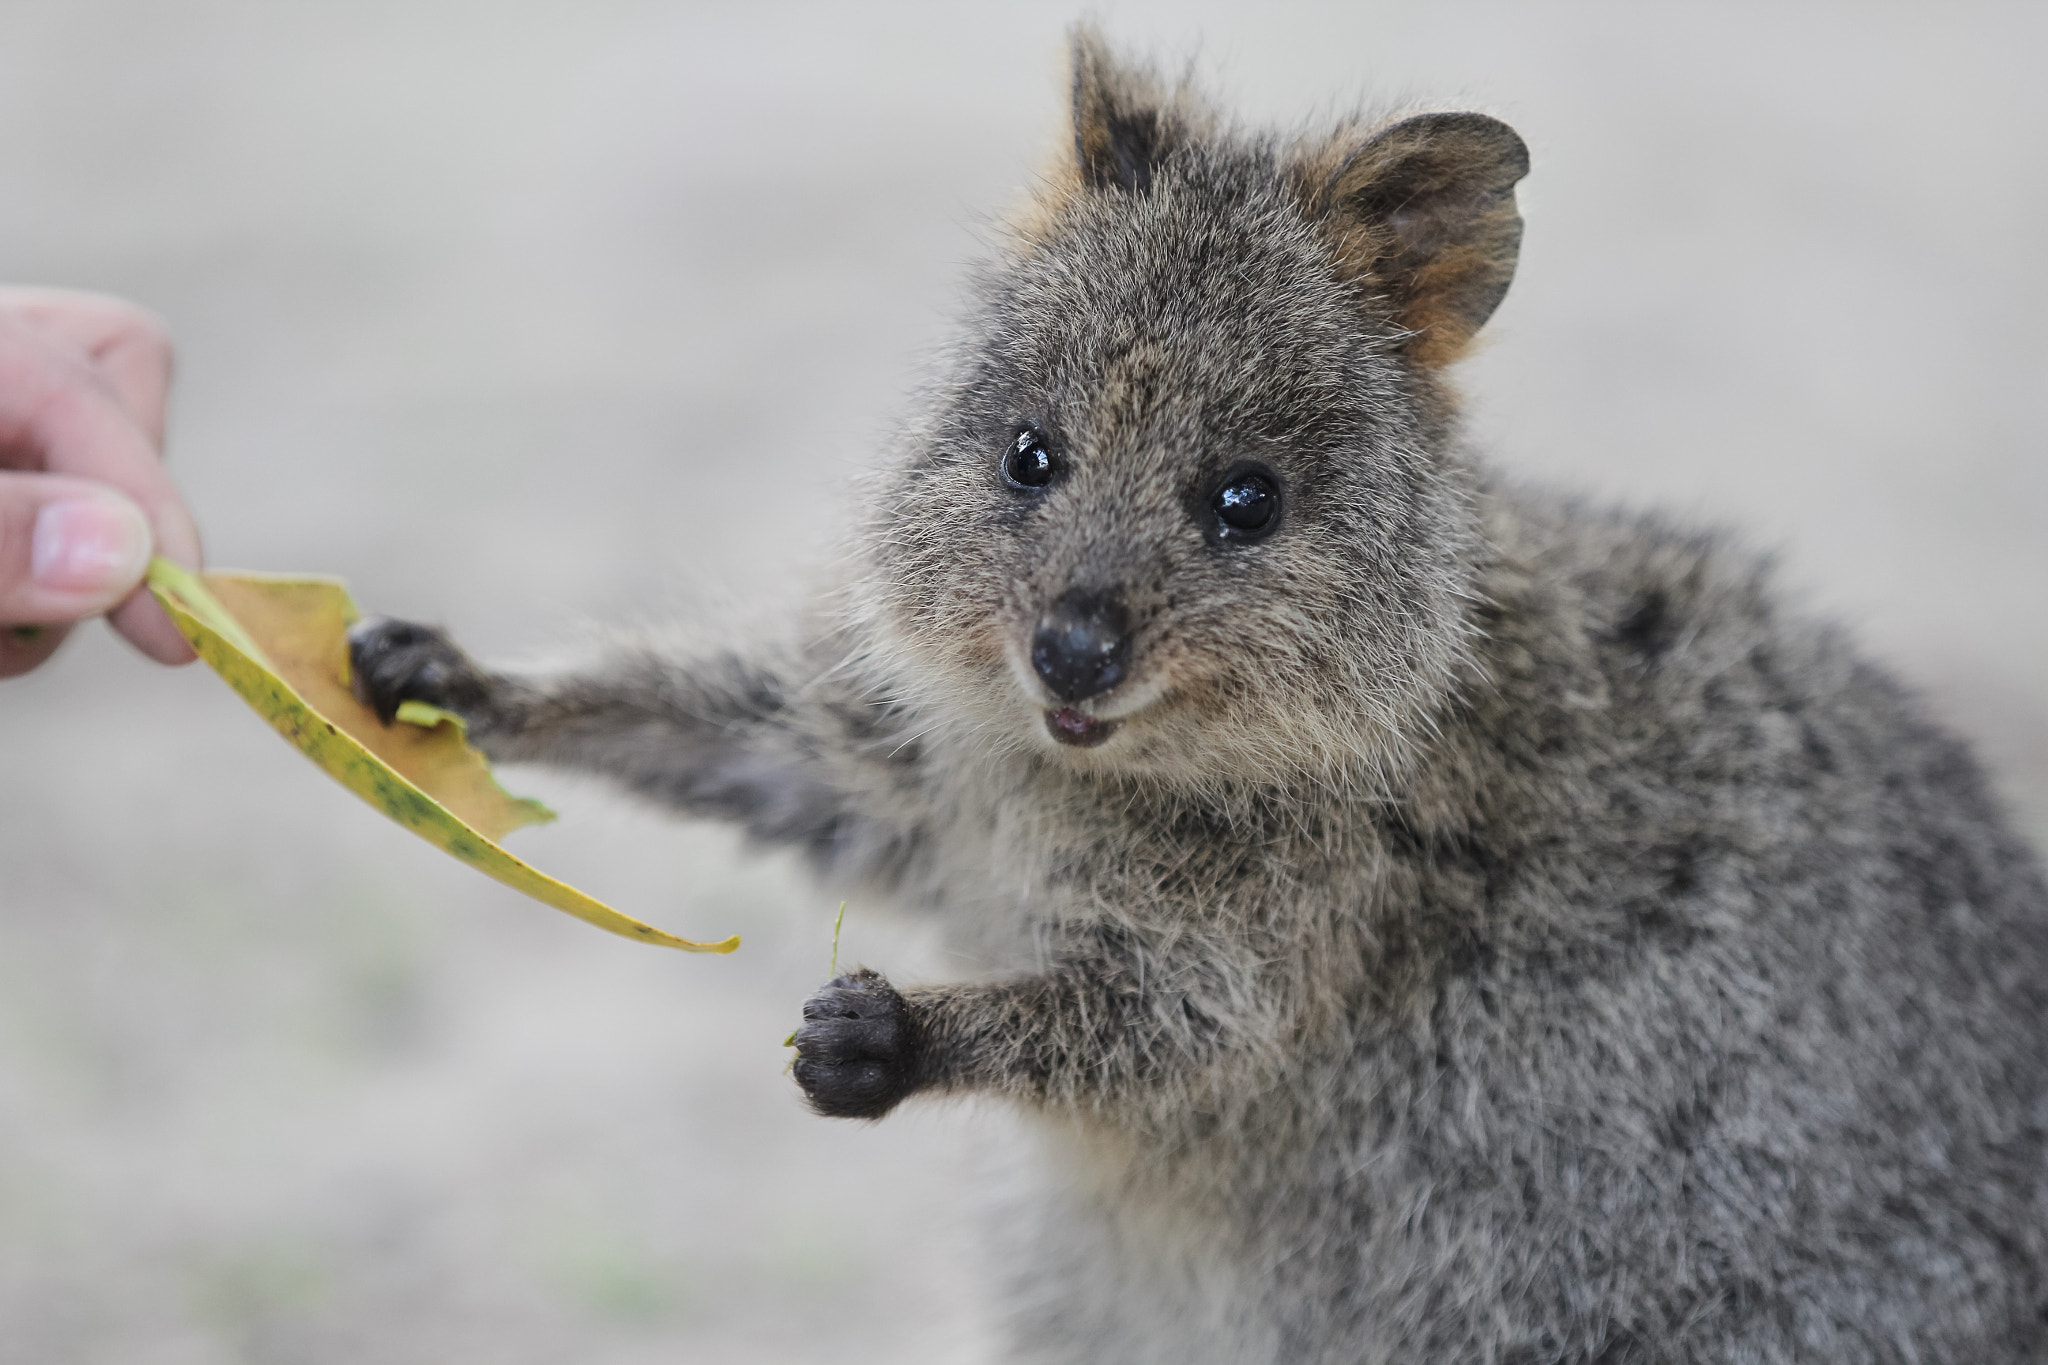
(1126, 121)
(1425, 211)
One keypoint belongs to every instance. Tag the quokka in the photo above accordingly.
(1428, 918)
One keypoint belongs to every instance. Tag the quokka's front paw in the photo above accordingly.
(856, 1051)
(391, 662)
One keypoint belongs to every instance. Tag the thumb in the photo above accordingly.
(69, 548)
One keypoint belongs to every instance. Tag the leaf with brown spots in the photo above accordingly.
(281, 643)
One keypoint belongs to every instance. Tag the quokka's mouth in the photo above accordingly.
(1069, 726)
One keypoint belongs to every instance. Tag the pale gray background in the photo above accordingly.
(519, 315)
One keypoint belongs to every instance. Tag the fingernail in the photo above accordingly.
(89, 545)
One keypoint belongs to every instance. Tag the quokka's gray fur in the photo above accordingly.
(1466, 925)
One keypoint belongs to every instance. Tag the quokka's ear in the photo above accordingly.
(1425, 209)
(1126, 122)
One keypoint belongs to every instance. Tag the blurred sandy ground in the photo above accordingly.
(521, 315)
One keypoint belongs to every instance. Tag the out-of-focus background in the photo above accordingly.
(524, 315)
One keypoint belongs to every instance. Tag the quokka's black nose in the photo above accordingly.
(1083, 644)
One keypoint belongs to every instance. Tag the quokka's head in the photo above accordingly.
(1188, 507)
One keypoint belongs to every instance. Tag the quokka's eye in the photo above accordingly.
(1028, 463)
(1248, 505)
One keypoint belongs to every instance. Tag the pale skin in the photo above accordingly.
(84, 496)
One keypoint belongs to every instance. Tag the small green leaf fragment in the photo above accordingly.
(427, 716)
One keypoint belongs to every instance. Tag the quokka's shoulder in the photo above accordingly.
(1678, 645)
(1658, 619)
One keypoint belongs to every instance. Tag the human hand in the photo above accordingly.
(84, 498)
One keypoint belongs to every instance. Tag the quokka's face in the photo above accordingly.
(1178, 515)
(1187, 507)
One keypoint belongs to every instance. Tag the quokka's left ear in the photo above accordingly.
(1425, 211)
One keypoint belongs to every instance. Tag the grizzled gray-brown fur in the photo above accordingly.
(1427, 919)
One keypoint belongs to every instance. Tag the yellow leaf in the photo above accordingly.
(282, 644)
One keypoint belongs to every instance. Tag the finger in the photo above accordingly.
(140, 620)
(57, 418)
(69, 549)
(24, 647)
(129, 346)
